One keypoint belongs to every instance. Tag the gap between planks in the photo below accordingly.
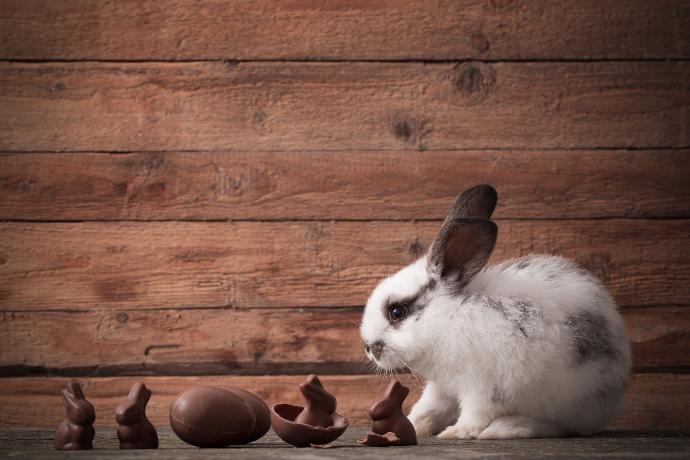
(355, 150)
(324, 308)
(317, 60)
(340, 219)
(194, 369)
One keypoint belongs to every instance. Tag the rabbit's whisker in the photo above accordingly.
(354, 322)
(414, 375)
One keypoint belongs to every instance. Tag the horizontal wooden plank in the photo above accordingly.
(342, 106)
(182, 342)
(659, 336)
(344, 29)
(658, 401)
(279, 264)
(220, 341)
(37, 444)
(340, 185)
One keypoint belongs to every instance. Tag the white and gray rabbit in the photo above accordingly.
(532, 347)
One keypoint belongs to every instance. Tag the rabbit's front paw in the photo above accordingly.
(433, 412)
(427, 425)
(461, 431)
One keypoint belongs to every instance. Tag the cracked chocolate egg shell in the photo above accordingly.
(213, 417)
(300, 435)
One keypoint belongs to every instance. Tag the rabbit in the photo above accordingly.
(320, 404)
(134, 430)
(387, 415)
(532, 347)
(76, 430)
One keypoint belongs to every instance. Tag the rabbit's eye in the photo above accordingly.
(396, 312)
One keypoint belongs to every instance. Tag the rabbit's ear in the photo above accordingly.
(478, 201)
(402, 393)
(71, 402)
(313, 380)
(392, 388)
(139, 393)
(397, 392)
(462, 248)
(75, 390)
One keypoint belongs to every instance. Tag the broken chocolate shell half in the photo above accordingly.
(315, 424)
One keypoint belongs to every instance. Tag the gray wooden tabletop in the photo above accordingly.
(38, 444)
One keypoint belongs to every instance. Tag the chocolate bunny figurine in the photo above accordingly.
(390, 427)
(317, 424)
(320, 404)
(134, 430)
(76, 430)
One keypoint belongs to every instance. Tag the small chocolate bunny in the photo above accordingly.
(320, 404)
(76, 430)
(134, 430)
(390, 427)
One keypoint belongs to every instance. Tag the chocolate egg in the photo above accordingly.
(262, 414)
(218, 417)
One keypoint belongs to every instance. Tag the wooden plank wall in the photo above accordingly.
(207, 191)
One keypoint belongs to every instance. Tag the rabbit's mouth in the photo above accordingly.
(378, 353)
(385, 361)
(377, 362)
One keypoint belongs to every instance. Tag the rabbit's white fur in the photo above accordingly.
(532, 347)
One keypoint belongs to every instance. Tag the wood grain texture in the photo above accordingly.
(552, 102)
(660, 337)
(37, 444)
(185, 342)
(340, 185)
(221, 341)
(342, 106)
(344, 29)
(661, 401)
(279, 264)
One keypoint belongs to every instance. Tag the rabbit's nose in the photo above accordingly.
(377, 349)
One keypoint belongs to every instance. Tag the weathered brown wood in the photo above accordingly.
(658, 401)
(340, 185)
(345, 29)
(342, 106)
(198, 341)
(182, 342)
(36, 444)
(659, 336)
(266, 264)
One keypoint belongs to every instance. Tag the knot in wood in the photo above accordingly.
(473, 77)
(479, 42)
(409, 130)
(122, 317)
